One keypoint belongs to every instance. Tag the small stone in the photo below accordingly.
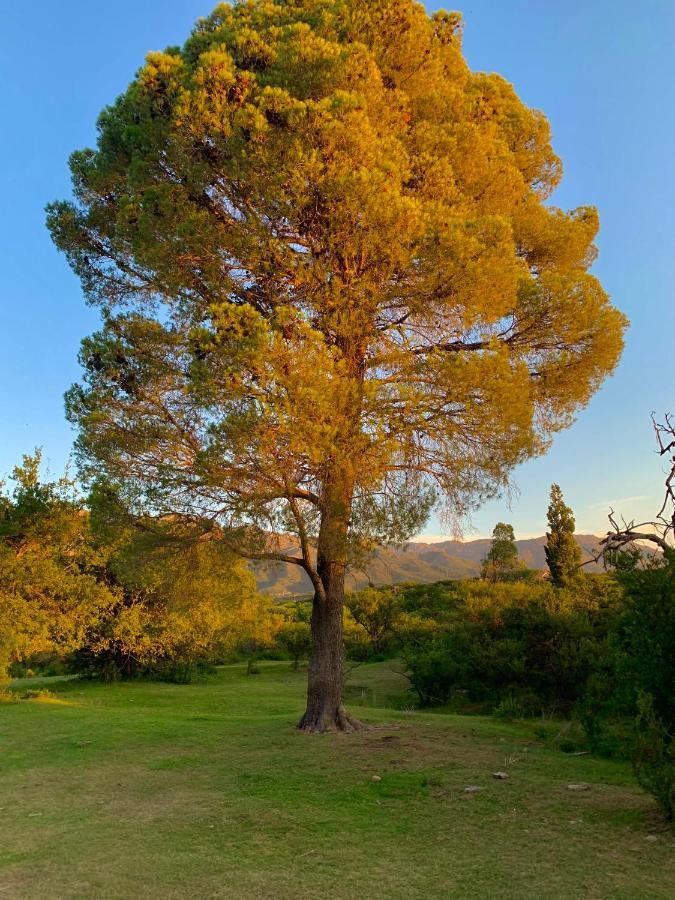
(651, 837)
(500, 776)
(582, 786)
(472, 789)
(376, 778)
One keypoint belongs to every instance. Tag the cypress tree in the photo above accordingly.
(562, 551)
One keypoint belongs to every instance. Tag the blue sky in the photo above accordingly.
(603, 72)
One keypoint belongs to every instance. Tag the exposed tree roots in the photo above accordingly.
(326, 720)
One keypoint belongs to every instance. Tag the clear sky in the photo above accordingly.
(603, 71)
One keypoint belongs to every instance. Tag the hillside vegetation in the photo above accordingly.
(417, 562)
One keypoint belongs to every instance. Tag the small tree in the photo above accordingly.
(296, 639)
(376, 612)
(502, 557)
(563, 555)
(51, 590)
(181, 603)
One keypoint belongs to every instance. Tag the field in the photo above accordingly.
(145, 790)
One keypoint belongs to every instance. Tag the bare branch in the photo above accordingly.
(662, 529)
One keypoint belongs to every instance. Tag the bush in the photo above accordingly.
(116, 665)
(357, 645)
(653, 755)
(376, 610)
(646, 637)
(518, 648)
(296, 639)
(44, 664)
(509, 707)
(434, 674)
(630, 707)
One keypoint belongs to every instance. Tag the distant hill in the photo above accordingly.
(418, 562)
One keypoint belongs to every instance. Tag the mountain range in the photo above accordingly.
(413, 562)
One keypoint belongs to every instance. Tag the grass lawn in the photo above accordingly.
(206, 791)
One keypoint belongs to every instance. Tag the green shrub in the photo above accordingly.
(296, 640)
(376, 610)
(630, 706)
(509, 707)
(118, 666)
(252, 667)
(653, 755)
(434, 674)
(517, 648)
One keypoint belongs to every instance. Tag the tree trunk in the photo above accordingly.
(325, 710)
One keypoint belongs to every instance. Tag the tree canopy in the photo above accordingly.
(501, 559)
(179, 601)
(123, 599)
(332, 288)
(51, 592)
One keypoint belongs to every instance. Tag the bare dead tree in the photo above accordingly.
(628, 535)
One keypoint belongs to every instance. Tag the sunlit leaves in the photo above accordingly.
(323, 250)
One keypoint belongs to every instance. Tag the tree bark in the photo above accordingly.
(325, 709)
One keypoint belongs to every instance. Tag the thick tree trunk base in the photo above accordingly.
(322, 721)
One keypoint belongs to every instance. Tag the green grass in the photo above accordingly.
(201, 791)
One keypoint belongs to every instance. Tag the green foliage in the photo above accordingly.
(118, 598)
(321, 244)
(252, 667)
(562, 551)
(182, 602)
(647, 635)
(376, 611)
(296, 639)
(631, 708)
(653, 754)
(435, 673)
(52, 591)
(501, 562)
(356, 643)
(530, 647)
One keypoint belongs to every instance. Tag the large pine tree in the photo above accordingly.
(331, 286)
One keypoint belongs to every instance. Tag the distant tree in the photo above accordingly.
(331, 287)
(296, 639)
(563, 555)
(376, 611)
(501, 560)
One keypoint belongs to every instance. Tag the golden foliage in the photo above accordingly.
(328, 271)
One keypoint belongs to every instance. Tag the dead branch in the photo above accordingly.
(661, 531)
